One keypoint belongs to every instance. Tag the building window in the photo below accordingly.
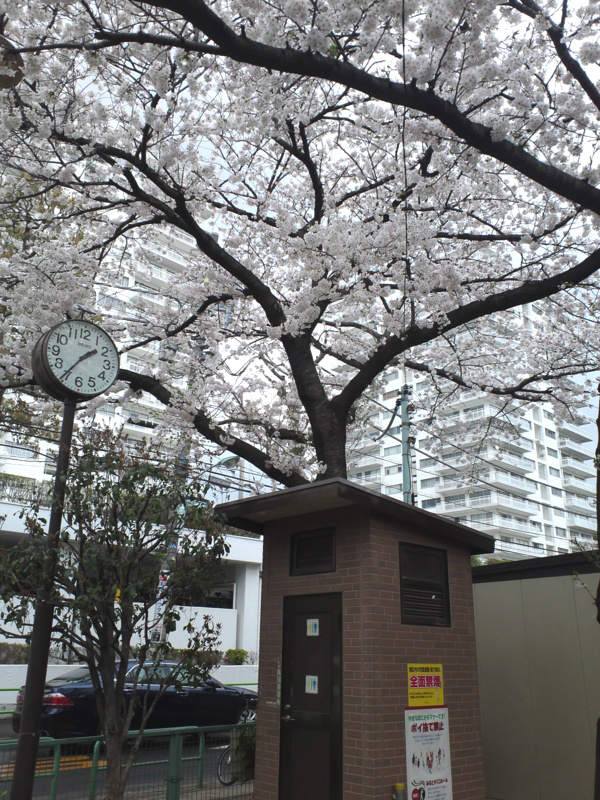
(430, 503)
(393, 489)
(391, 451)
(424, 591)
(552, 452)
(555, 472)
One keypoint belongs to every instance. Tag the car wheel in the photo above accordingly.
(247, 714)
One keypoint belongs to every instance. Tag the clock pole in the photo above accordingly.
(39, 648)
(73, 362)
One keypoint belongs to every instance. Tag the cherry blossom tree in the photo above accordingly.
(391, 183)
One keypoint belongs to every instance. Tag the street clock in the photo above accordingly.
(75, 360)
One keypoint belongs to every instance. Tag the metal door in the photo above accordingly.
(311, 698)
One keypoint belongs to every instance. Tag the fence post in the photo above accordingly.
(201, 753)
(94, 771)
(174, 766)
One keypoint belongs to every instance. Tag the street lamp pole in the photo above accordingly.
(39, 649)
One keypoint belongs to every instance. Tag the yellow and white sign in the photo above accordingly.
(425, 685)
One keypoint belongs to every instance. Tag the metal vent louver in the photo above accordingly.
(313, 552)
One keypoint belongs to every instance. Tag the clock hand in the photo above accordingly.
(89, 354)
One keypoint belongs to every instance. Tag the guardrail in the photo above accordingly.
(183, 768)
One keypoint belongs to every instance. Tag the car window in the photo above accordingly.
(73, 676)
(149, 674)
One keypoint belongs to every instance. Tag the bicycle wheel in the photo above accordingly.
(224, 768)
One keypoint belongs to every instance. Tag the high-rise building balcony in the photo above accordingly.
(164, 257)
(503, 459)
(579, 522)
(569, 447)
(499, 478)
(574, 430)
(499, 524)
(372, 459)
(491, 499)
(579, 485)
(517, 483)
(581, 469)
(576, 502)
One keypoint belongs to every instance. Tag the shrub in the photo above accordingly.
(236, 656)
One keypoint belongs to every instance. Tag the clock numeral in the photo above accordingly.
(106, 350)
(107, 363)
(62, 338)
(78, 382)
(102, 375)
(92, 383)
(55, 350)
(58, 363)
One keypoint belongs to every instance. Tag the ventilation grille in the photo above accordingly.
(426, 602)
(313, 552)
(424, 590)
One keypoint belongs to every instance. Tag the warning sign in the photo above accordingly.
(425, 685)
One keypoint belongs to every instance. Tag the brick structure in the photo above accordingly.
(376, 645)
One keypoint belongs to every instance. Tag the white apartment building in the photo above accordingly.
(529, 481)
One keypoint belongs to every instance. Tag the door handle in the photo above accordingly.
(286, 714)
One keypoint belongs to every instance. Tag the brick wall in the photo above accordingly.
(376, 649)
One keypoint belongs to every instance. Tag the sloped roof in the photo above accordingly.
(253, 513)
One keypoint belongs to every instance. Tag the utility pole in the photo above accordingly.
(407, 494)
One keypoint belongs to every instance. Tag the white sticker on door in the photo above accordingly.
(312, 684)
(312, 627)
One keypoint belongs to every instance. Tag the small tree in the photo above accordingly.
(129, 516)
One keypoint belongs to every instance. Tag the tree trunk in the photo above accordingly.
(115, 784)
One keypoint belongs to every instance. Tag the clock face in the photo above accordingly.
(78, 359)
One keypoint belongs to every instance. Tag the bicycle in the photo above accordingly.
(224, 768)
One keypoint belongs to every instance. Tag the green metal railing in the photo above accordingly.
(171, 764)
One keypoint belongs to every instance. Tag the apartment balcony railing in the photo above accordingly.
(582, 469)
(579, 522)
(578, 484)
(367, 460)
(570, 447)
(578, 503)
(517, 482)
(518, 463)
(493, 499)
(495, 523)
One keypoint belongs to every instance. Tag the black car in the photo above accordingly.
(69, 705)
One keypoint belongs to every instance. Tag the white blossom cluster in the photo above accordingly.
(390, 183)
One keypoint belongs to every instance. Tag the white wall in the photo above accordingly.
(240, 625)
